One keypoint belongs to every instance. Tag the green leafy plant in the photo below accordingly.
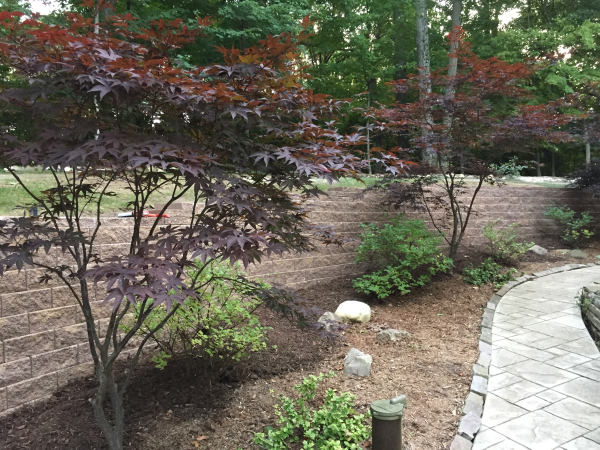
(510, 168)
(219, 325)
(403, 254)
(574, 231)
(488, 272)
(503, 245)
(335, 425)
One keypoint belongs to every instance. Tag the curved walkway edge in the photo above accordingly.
(536, 384)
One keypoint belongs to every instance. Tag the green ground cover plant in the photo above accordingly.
(488, 272)
(333, 425)
(403, 253)
(575, 230)
(503, 245)
(221, 327)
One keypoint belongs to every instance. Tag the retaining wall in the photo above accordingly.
(43, 341)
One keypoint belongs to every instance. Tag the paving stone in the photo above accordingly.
(527, 338)
(474, 404)
(551, 396)
(484, 359)
(485, 439)
(583, 389)
(532, 403)
(519, 391)
(493, 370)
(583, 347)
(568, 360)
(498, 410)
(527, 351)
(581, 443)
(594, 435)
(502, 357)
(460, 443)
(479, 385)
(482, 371)
(574, 411)
(502, 380)
(469, 425)
(502, 333)
(540, 430)
(540, 373)
(574, 321)
(507, 445)
(594, 365)
(585, 372)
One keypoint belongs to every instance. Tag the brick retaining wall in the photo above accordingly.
(43, 341)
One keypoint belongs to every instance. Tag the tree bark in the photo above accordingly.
(454, 43)
(537, 160)
(586, 139)
(424, 61)
(553, 162)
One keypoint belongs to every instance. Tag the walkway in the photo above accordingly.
(544, 386)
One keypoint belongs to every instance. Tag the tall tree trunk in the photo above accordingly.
(586, 139)
(553, 162)
(454, 43)
(400, 73)
(424, 61)
(537, 159)
(369, 89)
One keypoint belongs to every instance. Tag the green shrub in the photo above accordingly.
(219, 326)
(488, 272)
(574, 232)
(403, 254)
(333, 426)
(503, 245)
(510, 168)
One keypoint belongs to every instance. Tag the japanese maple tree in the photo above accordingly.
(116, 106)
(484, 115)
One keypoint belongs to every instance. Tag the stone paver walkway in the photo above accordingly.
(544, 385)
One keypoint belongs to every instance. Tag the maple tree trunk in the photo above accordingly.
(108, 389)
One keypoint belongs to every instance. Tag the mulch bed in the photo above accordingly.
(179, 409)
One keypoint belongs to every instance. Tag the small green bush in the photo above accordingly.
(510, 168)
(403, 254)
(503, 245)
(333, 426)
(574, 232)
(487, 272)
(220, 325)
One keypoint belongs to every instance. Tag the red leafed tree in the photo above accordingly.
(465, 130)
(115, 106)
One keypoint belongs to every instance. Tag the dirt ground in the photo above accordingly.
(170, 409)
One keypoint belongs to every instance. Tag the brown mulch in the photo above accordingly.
(174, 409)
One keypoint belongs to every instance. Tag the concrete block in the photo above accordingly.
(15, 371)
(23, 302)
(31, 344)
(14, 326)
(53, 361)
(50, 319)
(32, 389)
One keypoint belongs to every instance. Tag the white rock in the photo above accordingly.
(353, 311)
(538, 250)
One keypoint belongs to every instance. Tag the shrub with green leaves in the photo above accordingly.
(488, 272)
(503, 245)
(220, 325)
(403, 254)
(335, 425)
(574, 225)
(511, 168)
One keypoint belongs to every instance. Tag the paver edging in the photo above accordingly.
(478, 390)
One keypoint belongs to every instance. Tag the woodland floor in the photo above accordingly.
(171, 410)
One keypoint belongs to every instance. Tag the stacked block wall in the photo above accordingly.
(43, 340)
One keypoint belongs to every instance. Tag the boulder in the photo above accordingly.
(538, 250)
(354, 311)
(392, 335)
(357, 363)
(327, 319)
(579, 254)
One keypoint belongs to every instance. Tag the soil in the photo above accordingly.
(174, 409)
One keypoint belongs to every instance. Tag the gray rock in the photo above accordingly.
(357, 363)
(480, 371)
(579, 254)
(484, 359)
(486, 335)
(469, 425)
(474, 404)
(354, 311)
(327, 319)
(392, 335)
(460, 443)
(538, 250)
(479, 385)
